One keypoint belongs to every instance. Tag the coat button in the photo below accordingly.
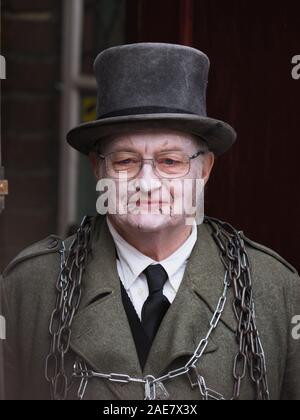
(53, 243)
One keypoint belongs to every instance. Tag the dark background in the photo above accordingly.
(250, 45)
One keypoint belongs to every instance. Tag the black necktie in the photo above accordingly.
(157, 304)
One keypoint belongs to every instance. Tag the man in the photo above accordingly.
(147, 302)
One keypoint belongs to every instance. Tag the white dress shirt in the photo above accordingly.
(132, 263)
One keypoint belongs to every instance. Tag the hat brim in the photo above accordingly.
(219, 135)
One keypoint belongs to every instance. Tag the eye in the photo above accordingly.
(124, 162)
(168, 161)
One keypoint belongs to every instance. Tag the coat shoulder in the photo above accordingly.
(44, 248)
(51, 244)
(267, 252)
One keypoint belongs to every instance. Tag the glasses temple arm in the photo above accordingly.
(197, 154)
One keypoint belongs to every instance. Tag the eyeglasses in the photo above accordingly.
(169, 164)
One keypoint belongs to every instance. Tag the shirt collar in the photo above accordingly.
(133, 262)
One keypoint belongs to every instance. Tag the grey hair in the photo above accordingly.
(100, 144)
(202, 145)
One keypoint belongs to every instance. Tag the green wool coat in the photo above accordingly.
(102, 336)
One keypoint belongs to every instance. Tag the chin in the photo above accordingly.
(149, 222)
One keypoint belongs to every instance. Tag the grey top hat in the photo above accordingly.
(152, 85)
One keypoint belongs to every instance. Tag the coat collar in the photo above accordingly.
(101, 321)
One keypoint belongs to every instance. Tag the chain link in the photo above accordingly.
(237, 276)
(251, 354)
(73, 263)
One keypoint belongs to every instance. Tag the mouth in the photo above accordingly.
(151, 203)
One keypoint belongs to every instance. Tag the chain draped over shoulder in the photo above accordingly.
(233, 254)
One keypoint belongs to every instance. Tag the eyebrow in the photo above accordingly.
(132, 150)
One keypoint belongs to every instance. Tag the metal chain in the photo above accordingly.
(251, 354)
(237, 275)
(69, 289)
(151, 382)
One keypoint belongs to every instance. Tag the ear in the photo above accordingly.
(95, 163)
(207, 165)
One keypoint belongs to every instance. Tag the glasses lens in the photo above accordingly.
(124, 163)
(173, 164)
(168, 164)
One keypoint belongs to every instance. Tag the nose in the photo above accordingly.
(147, 169)
(148, 178)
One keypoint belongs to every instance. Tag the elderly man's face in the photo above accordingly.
(156, 195)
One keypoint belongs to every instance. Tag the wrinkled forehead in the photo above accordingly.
(150, 141)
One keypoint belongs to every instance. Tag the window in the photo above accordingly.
(90, 26)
